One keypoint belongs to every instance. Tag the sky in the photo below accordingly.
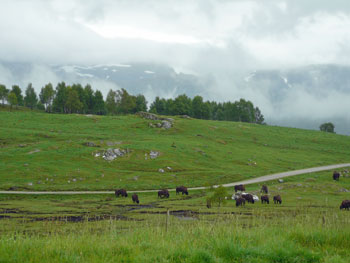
(218, 39)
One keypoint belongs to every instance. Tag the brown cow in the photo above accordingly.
(181, 189)
(264, 189)
(163, 193)
(277, 199)
(336, 176)
(135, 198)
(345, 205)
(121, 192)
(240, 201)
(239, 187)
(265, 199)
(249, 198)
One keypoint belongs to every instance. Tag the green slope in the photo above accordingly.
(41, 151)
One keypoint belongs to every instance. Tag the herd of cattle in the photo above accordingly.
(240, 196)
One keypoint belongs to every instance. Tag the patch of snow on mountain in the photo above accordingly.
(114, 70)
(85, 75)
(149, 72)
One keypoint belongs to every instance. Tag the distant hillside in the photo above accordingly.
(43, 151)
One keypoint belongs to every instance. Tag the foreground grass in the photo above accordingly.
(221, 241)
(41, 151)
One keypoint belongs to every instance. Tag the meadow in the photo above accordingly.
(307, 227)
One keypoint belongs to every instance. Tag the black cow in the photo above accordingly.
(240, 201)
(121, 192)
(163, 193)
(277, 199)
(239, 187)
(336, 176)
(249, 198)
(345, 205)
(135, 198)
(265, 199)
(264, 189)
(181, 189)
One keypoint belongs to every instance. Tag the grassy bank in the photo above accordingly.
(41, 151)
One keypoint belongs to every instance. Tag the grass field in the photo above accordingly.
(40, 151)
(307, 227)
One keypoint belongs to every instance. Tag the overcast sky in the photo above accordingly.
(216, 38)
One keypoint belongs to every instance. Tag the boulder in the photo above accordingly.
(153, 154)
(161, 170)
(280, 180)
(147, 115)
(90, 144)
(166, 124)
(111, 154)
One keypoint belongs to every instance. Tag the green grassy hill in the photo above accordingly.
(40, 151)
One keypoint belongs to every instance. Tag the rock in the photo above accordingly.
(90, 144)
(299, 185)
(102, 175)
(74, 180)
(166, 124)
(34, 151)
(25, 164)
(159, 125)
(161, 170)
(119, 152)
(153, 154)
(151, 125)
(344, 190)
(97, 154)
(147, 115)
(280, 180)
(68, 181)
(136, 178)
(22, 145)
(169, 168)
(30, 184)
(298, 197)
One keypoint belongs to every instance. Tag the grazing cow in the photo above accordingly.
(345, 205)
(239, 187)
(135, 198)
(181, 189)
(265, 199)
(249, 198)
(240, 202)
(264, 189)
(208, 203)
(277, 199)
(121, 192)
(163, 193)
(336, 176)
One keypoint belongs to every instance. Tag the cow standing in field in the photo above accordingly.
(240, 201)
(121, 192)
(264, 189)
(336, 176)
(181, 189)
(135, 198)
(265, 199)
(277, 199)
(239, 187)
(163, 193)
(345, 205)
(249, 198)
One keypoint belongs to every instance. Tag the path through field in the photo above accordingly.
(245, 182)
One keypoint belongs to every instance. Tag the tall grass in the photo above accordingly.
(318, 238)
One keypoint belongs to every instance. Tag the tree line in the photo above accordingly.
(84, 100)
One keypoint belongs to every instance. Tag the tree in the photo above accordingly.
(46, 96)
(141, 103)
(30, 99)
(12, 99)
(16, 89)
(81, 94)
(219, 195)
(327, 127)
(3, 93)
(89, 99)
(259, 118)
(126, 103)
(73, 104)
(60, 99)
(158, 106)
(197, 107)
(111, 102)
(99, 105)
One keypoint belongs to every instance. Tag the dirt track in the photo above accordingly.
(245, 182)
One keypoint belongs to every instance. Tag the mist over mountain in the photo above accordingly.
(302, 97)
